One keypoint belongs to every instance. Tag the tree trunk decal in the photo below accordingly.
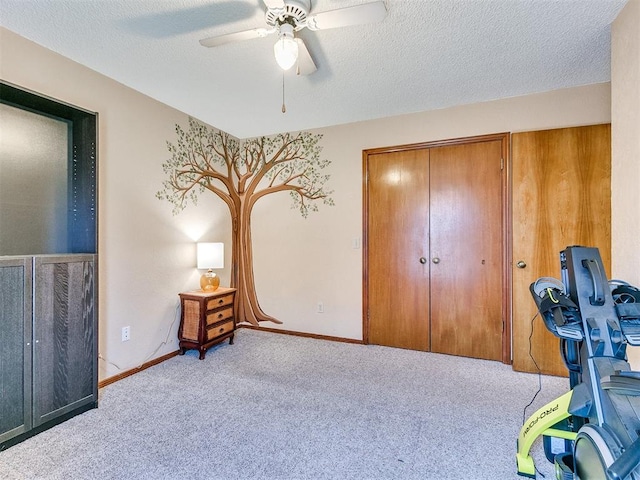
(241, 173)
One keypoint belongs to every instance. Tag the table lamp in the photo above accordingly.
(210, 256)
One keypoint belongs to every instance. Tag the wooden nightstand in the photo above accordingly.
(207, 318)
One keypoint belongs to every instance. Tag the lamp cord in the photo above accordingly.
(148, 357)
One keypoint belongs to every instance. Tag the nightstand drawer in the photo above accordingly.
(219, 315)
(220, 329)
(220, 301)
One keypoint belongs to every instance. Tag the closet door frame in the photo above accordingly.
(505, 236)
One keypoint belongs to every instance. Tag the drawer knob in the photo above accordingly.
(221, 329)
(220, 301)
(220, 315)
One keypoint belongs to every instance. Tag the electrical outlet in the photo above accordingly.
(320, 307)
(126, 333)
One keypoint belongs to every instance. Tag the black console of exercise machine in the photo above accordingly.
(599, 418)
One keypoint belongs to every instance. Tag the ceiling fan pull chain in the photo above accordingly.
(284, 109)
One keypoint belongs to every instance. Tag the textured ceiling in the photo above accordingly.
(425, 55)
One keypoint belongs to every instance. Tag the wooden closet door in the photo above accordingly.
(466, 239)
(398, 237)
(434, 247)
(561, 197)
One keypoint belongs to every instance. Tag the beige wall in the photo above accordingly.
(147, 256)
(625, 149)
(318, 252)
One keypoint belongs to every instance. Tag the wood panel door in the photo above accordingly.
(434, 247)
(561, 197)
(15, 353)
(65, 360)
(398, 238)
(466, 242)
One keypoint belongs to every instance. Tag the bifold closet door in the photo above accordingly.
(398, 249)
(434, 273)
(466, 240)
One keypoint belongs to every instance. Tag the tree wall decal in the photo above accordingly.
(241, 173)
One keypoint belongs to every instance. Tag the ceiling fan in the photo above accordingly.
(289, 16)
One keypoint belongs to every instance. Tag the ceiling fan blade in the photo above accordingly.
(235, 37)
(342, 17)
(305, 62)
(271, 4)
(183, 19)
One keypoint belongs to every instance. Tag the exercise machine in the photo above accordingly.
(593, 431)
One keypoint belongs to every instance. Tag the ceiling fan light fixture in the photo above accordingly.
(286, 48)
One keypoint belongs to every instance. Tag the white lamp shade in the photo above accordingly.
(210, 255)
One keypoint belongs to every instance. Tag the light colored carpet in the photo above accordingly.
(274, 406)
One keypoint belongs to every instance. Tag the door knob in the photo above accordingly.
(521, 264)
(423, 260)
(435, 260)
